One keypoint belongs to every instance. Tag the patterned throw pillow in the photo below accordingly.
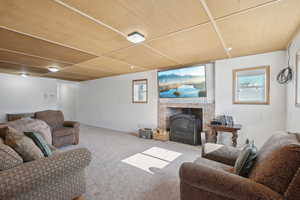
(246, 160)
(40, 142)
(8, 158)
(23, 145)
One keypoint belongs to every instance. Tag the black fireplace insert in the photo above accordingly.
(185, 128)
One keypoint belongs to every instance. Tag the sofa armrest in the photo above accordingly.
(224, 184)
(71, 124)
(220, 153)
(31, 175)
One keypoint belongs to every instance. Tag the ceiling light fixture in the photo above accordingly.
(131, 67)
(24, 75)
(229, 49)
(135, 37)
(53, 69)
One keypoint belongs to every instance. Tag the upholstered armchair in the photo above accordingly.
(63, 132)
(275, 175)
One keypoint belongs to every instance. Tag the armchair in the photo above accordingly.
(274, 176)
(63, 132)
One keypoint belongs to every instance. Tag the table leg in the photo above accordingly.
(234, 138)
(215, 136)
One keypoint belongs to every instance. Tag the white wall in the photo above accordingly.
(18, 94)
(293, 112)
(107, 103)
(68, 99)
(259, 121)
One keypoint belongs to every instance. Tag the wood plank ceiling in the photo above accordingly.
(87, 39)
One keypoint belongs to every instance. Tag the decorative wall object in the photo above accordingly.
(251, 85)
(298, 79)
(140, 91)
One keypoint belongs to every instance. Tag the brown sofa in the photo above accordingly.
(63, 132)
(275, 175)
(60, 176)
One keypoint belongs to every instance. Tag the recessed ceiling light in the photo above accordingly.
(131, 67)
(135, 37)
(24, 75)
(53, 69)
(229, 49)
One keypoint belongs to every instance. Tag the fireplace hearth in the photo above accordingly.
(185, 128)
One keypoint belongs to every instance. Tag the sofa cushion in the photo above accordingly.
(63, 132)
(245, 160)
(40, 142)
(32, 125)
(213, 164)
(23, 145)
(278, 169)
(8, 157)
(220, 153)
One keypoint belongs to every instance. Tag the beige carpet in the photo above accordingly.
(125, 167)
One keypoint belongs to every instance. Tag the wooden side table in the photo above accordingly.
(225, 128)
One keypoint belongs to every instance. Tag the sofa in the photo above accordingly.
(60, 177)
(274, 176)
(63, 132)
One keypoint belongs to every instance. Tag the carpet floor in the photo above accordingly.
(125, 167)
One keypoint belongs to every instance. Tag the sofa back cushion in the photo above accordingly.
(277, 162)
(54, 118)
(22, 145)
(8, 157)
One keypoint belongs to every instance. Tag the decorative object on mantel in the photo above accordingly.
(140, 91)
(161, 135)
(146, 133)
(225, 128)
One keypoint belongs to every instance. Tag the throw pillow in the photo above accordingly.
(23, 145)
(8, 158)
(245, 160)
(40, 142)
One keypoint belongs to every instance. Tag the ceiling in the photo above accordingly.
(87, 39)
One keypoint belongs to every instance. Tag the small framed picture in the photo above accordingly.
(140, 91)
(251, 85)
(297, 79)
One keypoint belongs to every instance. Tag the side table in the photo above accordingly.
(225, 128)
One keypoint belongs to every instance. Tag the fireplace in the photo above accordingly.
(202, 112)
(186, 128)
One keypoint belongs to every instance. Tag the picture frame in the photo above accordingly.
(140, 91)
(251, 85)
(297, 74)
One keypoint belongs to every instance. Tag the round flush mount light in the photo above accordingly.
(53, 69)
(24, 75)
(229, 49)
(135, 37)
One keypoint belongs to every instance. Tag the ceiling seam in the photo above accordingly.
(89, 17)
(40, 57)
(240, 12)
(22, 64)
(50, 41)
(105, 25)
(216, 28)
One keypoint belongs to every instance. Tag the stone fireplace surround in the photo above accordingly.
(167, 109)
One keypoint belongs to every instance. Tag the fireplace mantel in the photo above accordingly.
(208, 111)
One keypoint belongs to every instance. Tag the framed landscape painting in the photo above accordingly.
(188, 82)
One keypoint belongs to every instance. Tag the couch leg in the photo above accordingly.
(79, 198)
